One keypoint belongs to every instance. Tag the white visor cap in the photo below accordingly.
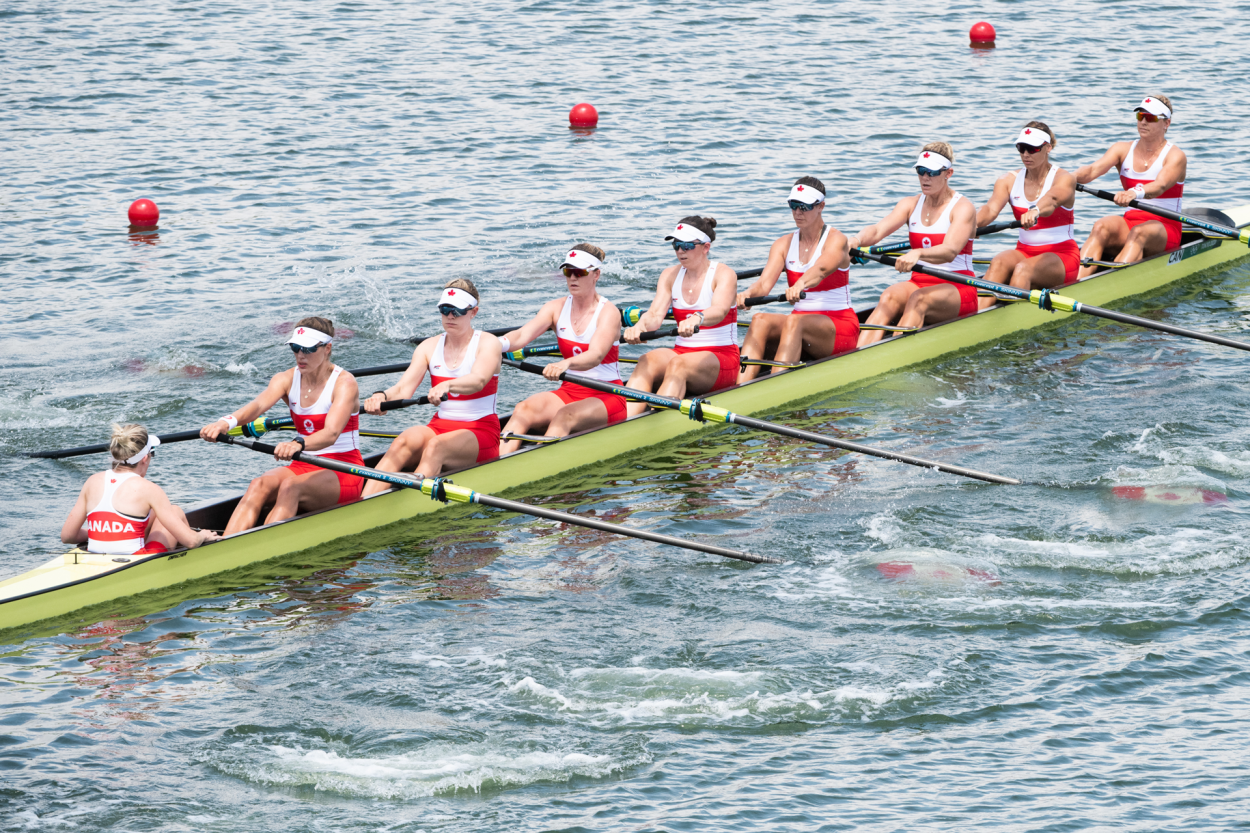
(308, 337)
(807, 194)
(1155, 107)
(153, 442)
(1033, 138)
(687, 233)
(932, 160)
(458, 298)
(582, 260)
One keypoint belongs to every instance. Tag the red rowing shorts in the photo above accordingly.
(728, 358)
(1135, 217)
(570, 393)
(968, 302)
(845, 327)
(485, 431)
(350, 485)
(1067, 251)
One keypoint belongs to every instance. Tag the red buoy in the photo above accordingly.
(144, 213)
(583, 115)
(982, 34)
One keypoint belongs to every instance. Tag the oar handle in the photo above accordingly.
(769, 299)
(1237, 234)
(994, 228)
(396, 404)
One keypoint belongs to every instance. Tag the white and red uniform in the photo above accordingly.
(346, 448)
(573, 344)
(830, 298)
(110, 532)
(926, 237)
(1055, 234)
(721, 340)
(474, 412)
(1169, 199)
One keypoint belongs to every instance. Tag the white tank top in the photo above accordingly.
(1169, 199)
(831, 294)
(1057, 228)
(724, 334)
(463, 407)
(926, 237)
(574, 343)
(110, 532)
(312, 419)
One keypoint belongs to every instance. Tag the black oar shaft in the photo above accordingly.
(1237, 234)
(446, 492)
(255, 428)
(706, 412)
(395, 404)
(769, 299)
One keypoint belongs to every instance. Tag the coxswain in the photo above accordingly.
(941, 225)
(463, 364)
(815, 260)
(324, 405)
(120, 512)
(701, 293)
(588, 329)
(1046, 254)
(1152, 171)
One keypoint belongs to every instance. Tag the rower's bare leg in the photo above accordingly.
(1144, 240)
(1045, 271)
(690, 373)
(760, 342)
(453, 450)
(930, 305)
(889, 308)
(812, 336)
(159, 534)
(578, 416)
(648, 373)
(405, 450)
(304, 493)
(1108, 236)
(531, 416)
(1002, 270)
(260, 493)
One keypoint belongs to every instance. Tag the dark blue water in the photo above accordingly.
(1059, 658)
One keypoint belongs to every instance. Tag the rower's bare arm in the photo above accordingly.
(768, 277)
(408, 383)
(963, 228)
(270, 396)
(607, 332)
(73, 532)
(832, 257)
(724, 294)
(1111, 159)
(892, 222)
(485, 367)
(989, 212)
(536, 326)
(653, 318)
(1172, 173)
(173, 519)
(1062, 192)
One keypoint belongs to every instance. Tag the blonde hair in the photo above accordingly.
(1167, 102)
(466, 285)
(943, 148)
(591, 249)
(1054, 143)
(321, 325)
(125, 441)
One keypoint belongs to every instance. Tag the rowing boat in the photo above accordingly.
(78, 580)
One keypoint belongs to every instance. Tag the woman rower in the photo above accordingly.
(941, 225)
(323, 400)
(1046, 254)
(815, 260)
(588, 328)
(464, 377)
(701, 293)
(1152, 171)
(129, 514)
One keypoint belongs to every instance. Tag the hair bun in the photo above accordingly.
(711, 221)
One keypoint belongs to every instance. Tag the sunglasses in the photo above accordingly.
(1148, 117)
(573, 271)
(683, 245)
(1023, 148)
(295, 348)
(923, 171)
(797, 205)
(454, 312)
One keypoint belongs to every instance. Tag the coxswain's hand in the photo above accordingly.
(793, 292)
(373, 405)
(1125, 197)
(439, 392)
(214, 430)
(906, 262)
(552, 371)
(633, 335)
(285, 451)
(1029, 218)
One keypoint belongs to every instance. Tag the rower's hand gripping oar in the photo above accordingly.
(554, 349)
(1242, 234)
(1048, 300)
(446, 491)
(702, 411)
(858, 255)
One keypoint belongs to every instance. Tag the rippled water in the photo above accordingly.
(936, 654)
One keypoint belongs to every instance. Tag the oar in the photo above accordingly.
(446, 491)
(1048, 300)
(904, 245)
(255, 428)
(994, 228)
(702, 411)
(554, 349)
(1236, 234)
